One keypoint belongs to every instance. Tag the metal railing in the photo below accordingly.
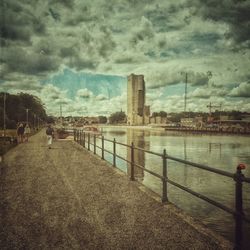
(84, 139)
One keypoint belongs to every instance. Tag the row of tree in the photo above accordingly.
(120, 117)
(20, 107)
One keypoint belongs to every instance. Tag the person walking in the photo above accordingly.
(26, 132)
(49, 133)
(20, 132)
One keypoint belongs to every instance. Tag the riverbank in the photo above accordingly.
(123, 126)
(68, 198)
(178, 129)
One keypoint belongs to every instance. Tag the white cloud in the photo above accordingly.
(84, 93)
(243, 90)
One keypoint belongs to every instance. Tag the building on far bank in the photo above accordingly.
(137, 112)
(158, 120)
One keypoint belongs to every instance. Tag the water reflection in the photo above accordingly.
(138, 138)
(222, 152)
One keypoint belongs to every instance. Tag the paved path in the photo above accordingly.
(67, 198)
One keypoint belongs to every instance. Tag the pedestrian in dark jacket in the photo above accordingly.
(20, 132)
(49, 133)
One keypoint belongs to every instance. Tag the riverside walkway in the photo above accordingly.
(67, 198)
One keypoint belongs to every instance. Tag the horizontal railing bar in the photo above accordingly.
(107, 151)
(214, 170)
(108, 140)
(123, 144)
(203, 197)
(246, 179)
(123, 158)
(148, 151)
(204, 167)
(149, 171)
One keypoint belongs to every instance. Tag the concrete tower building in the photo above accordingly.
(135, 100)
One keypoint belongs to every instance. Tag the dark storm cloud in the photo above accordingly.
(79, 63)
(243, 90)
(68, 52)
(83, 13)
(234, 13)
(19, 60)
(22, 85)
(18, 23)
(65, 3)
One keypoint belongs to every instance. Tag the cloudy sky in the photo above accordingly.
(79, 53)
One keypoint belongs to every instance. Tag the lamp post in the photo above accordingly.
(185, 95)
(4, 115)
(34, 121)
(27, 116)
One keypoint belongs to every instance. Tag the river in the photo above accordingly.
(223, 152)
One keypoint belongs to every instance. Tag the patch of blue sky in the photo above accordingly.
(177, 89)
(108, 85)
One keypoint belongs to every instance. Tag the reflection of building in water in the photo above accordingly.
(138, 138)
(137, 112)
(214, 147)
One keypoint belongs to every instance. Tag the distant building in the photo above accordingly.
(136, 100)
(188, 122)
(146, 115)
(245, 117)
(158, 120)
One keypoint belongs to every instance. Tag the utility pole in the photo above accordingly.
(27, 116)
(4, 114)
(61, 114)
(210, 106)
(185, 95)
(34, 121)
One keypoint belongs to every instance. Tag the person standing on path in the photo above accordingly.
(49, 133)
(20, 132)
(26, 132)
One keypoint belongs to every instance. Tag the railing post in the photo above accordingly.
(114, 153)
(88, 141)
(80, 137)
(238, 206)
(84, 139)
(132, 174)
(74, 135)
(164, 173)
(102, 148)
(94, 144)
(77, 139)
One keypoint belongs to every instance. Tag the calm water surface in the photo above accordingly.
(219, 151)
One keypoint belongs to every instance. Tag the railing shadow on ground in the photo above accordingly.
(84, 139)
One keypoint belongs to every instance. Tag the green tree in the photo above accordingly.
(117, 117)
(102, 119)
(16, 106)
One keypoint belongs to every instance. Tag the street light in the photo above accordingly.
(185, 96)
(4, 114)
(27, 116)
(34, 121)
